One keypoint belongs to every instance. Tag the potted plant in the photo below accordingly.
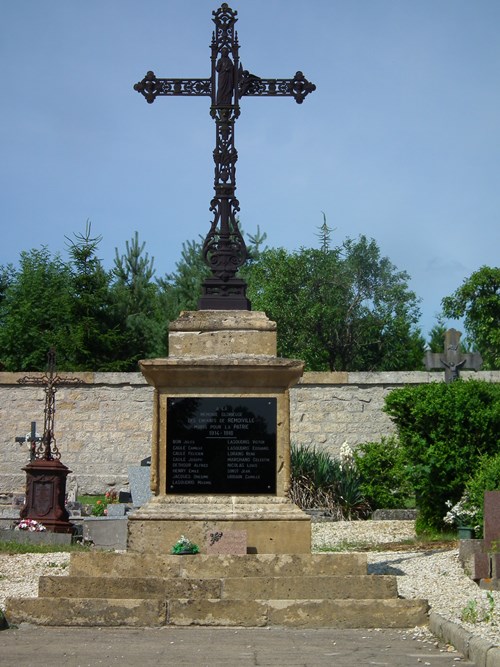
(463, 516)
(184, 547)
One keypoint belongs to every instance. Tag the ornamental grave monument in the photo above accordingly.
(221, 449)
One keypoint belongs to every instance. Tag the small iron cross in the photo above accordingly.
(224, 248)
(32, 438)
(48, 450)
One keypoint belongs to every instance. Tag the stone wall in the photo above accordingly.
(101, 427)
(104, 425)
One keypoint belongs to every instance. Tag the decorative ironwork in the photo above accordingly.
(47, 449)
(151, 87)
(224, 248)
(298, 87)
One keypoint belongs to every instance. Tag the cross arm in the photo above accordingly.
(298, 87)
(152, 87)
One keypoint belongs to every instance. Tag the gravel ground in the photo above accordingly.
(434, 575)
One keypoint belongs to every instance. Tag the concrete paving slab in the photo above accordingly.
(221, 647)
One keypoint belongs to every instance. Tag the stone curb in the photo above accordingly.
(477, 650)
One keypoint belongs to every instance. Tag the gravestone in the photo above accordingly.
(106, 532)
(492, 520)
(481, 558)
(139, 478)
(452, 359)
(116, 509)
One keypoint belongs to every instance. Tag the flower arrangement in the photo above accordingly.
(462, 513)
(100, 508)
(31, 525)
(111, 497)
(185, 546)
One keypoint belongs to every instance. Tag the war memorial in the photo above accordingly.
(220, 457)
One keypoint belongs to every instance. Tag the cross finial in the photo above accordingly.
(224, 248)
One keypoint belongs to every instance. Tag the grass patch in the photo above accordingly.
(17, 548)
(345, 546)
(420, 543)
(435, 536)
(91, 500)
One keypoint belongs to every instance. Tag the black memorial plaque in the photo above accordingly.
(221, 445)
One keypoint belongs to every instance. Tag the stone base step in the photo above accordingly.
(203, 566)
(305, 590)
(236, 588)
(394, 613)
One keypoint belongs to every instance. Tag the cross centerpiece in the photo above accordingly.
(224, 248)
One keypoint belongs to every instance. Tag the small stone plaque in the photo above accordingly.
(233, 542)
(221, 445)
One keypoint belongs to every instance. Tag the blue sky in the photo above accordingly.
(400, 141)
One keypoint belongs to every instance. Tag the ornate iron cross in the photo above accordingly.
(47, 449)
(224, 248)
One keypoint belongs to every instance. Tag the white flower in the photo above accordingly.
(462, 513)
(346, 456)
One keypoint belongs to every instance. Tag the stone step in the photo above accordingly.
(230, 588)
(306, 588)
(83, 612)
(132, 564)
(128, 587)
(395, 613)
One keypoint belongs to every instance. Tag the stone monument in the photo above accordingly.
(221, 451)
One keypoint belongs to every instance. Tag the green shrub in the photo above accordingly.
(486, 478)
(383, 473)
(319, 481)
(444, 429)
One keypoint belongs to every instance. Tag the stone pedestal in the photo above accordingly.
(230, 358)
(45, 495)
